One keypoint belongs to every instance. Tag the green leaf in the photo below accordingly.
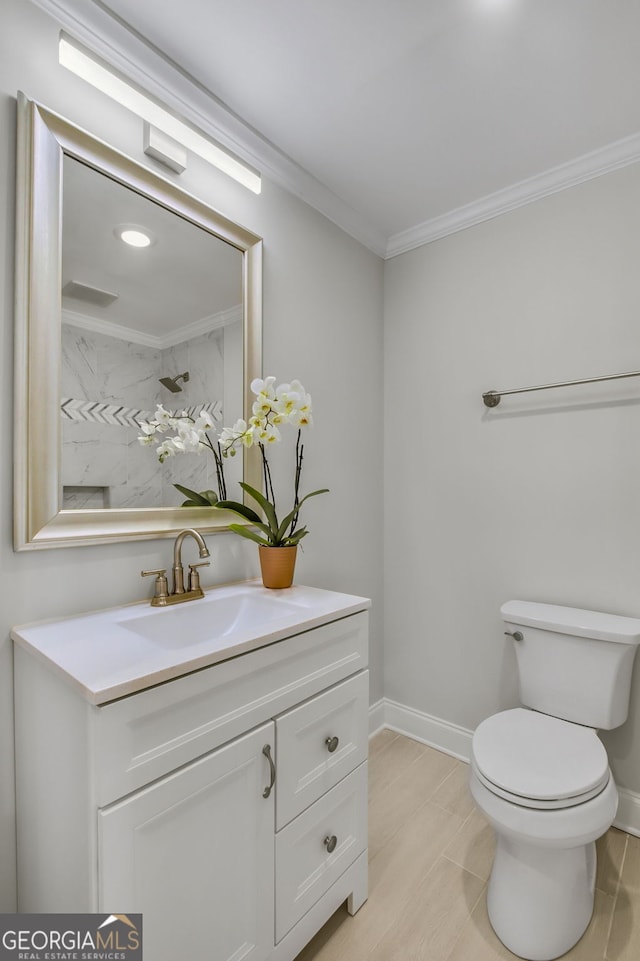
(249, 534)
(267, 506)
(195, 499)
(285, 523)
(282, 530)
(211, 496)
(297, 537)
(245, 512)
(241, 509)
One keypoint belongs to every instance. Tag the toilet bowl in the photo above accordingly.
(546, 818)
(541, 777)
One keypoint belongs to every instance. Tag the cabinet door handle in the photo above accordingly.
(266, 750)
(332, 744)
(330, 842)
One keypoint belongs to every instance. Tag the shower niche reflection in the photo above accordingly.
(141, 326)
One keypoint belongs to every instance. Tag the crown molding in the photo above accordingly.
(96, 325)
(619, 154)
(224, 318)
(142, 63)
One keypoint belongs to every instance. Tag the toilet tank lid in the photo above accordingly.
(572, 620)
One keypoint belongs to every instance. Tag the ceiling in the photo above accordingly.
(187, 281)
(407, 110)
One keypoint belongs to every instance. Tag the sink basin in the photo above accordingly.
(214, 618)
(113, 653)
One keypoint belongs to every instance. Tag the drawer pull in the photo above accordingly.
(266, 750)
(332, 744)
(330, 842)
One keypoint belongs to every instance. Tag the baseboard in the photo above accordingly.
(442, 735)
(452, 739)
(376, 717)
(628, 816)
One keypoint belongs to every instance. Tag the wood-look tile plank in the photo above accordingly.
(611, 849)
(390, 809)
(322, 944)
(381, 740)
(388, 763)
(394, 875)
(593, 943)
(453, 794)
(412, 852)
(429, 923)
(473, 846)
(624, 938)
(477, 940)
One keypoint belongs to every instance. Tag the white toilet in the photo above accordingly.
(540, 774)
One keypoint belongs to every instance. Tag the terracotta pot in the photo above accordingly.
(277, 565)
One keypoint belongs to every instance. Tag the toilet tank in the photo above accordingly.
(574, 664)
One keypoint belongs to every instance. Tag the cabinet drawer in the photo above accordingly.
(140, 738)
(305, 868)
(319, 743)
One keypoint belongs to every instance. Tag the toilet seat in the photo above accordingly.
(538, 761)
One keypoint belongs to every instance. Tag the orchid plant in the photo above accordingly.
(273, 408)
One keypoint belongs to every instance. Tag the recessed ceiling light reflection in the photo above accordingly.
(134, 236)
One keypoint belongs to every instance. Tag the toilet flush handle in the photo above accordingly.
(516, 635)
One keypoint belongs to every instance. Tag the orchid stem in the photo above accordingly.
(296, 486)
(268, 486)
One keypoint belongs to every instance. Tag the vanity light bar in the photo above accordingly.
(76, 59)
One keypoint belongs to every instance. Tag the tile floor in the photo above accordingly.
(430, 856)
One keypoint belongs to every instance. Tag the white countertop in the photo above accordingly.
(116, 652)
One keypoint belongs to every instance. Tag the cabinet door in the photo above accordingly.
(194, 853)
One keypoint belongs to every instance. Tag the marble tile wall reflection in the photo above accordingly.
(108, 458)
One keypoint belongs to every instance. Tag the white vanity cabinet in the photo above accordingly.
(227, 805)
(193, 853)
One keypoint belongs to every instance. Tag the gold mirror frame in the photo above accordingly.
(43, 140)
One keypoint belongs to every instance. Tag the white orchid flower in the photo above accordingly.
(204, 421)
(241, 432)
(262, 407)
(263, 388)
(164, 416)
(167, 449)
(287, 401)
(146, 440)
(258, 421)
(189, 439)
(227, 437)
(300, 418)
(268, 434)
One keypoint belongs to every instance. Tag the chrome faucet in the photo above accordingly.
(162, 598)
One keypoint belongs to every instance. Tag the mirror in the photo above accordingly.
(105, 332)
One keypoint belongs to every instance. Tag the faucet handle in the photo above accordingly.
(194, 577)
(161, 585)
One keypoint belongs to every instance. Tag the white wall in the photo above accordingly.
(322, 324)
(538, 499)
